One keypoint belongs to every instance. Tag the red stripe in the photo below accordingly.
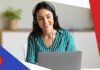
(95, 9)
(1, 60)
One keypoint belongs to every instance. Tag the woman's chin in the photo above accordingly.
(47, 30)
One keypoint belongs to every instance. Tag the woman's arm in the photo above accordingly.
(31, 50)
(70, 42)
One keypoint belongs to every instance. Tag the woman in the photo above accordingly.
(47, 35)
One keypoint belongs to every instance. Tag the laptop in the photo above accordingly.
(60, 60)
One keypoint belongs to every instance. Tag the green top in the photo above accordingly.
(62, 42)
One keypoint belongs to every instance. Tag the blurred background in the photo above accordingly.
(74, 16)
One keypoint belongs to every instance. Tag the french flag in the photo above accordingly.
(8, 62)
(95, 9)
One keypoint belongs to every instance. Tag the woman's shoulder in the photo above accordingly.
(32, 36)
(67, 34)
(64, 31)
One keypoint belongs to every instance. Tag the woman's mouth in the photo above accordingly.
(46, 26)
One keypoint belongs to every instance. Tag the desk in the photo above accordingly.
(36, 67)
(33, 66)
(90, 69)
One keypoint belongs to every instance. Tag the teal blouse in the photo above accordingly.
(62, 42)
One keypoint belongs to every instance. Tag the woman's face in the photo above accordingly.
(45, 20)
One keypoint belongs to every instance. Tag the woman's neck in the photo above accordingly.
(49, 34)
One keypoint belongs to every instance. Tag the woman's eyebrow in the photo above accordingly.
(45, 15)
(48, 14)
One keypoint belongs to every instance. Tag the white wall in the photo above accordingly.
(79, 3)
(70, 16)
(15, 43)
(86, 42)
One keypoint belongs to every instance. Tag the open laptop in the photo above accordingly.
(60, 60)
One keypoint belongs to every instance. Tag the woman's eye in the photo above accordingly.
(48, 16)
(39, 18)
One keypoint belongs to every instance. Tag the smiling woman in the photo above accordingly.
(47, 35)
(45, 20)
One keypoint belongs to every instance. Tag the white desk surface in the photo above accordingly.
(36, 67)
(90, 69)
(33, 66)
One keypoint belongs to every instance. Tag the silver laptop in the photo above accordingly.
(60, 60)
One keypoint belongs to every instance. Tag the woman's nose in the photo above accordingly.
(45, 20)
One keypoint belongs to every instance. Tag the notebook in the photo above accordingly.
(60, 60)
